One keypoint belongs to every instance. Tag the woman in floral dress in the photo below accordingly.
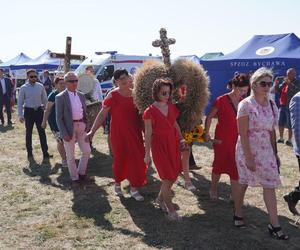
(256, 152)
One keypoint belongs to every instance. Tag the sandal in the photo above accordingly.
(276, 232)
(238, 222)
(118, 191)
(161, 205)
(174, 216)
(213, 196)
(136, 195)
(189, 186)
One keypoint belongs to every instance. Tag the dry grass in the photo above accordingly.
(40, 211)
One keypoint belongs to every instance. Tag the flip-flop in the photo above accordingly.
(136, 195)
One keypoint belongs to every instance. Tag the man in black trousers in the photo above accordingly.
(5, 97)
(33, 98)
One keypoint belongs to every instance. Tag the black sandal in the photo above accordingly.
(276, 232)
(238, 222)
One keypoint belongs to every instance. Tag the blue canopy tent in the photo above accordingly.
(19, 59)
(278, 52)
(43, 62)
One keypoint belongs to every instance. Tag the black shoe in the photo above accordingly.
(238, 222)
(277, 233)
(46, 156)
(86, 178)
(288, 143)
(9, 123)
(280, 141)
(291, 204)
(75, 184)
(93, 149)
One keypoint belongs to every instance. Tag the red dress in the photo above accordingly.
(226, 132)
(126, 140)
(165, 142)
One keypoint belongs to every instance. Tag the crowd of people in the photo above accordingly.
(245, 148)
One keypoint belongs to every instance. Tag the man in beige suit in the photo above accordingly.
(71, 121)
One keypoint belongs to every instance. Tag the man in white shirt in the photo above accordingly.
(71, 121)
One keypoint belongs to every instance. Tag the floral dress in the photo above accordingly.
(262, 120)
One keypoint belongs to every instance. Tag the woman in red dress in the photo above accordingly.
(163, 135)
(225, 109)
(125, 135)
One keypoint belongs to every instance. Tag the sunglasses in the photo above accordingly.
(32, 77)
(265, 84)
(72, 81)
(165, 93)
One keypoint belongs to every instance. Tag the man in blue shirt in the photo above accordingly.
(293, 197)
(31, 102)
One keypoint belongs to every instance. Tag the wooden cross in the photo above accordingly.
(164, 43)
(67, 56)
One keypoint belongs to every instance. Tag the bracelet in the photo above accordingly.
(182, 140)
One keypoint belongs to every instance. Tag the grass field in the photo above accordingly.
(39, 210)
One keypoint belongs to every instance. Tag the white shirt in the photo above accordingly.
(77, 110)
(3, 85)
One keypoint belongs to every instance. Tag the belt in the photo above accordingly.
(35, 109)
(80, 120)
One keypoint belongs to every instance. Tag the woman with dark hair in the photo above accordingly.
(125, 134)
(225, 110)
(49, 115)
(163, 136)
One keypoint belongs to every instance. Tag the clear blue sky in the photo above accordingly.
(129, 26)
